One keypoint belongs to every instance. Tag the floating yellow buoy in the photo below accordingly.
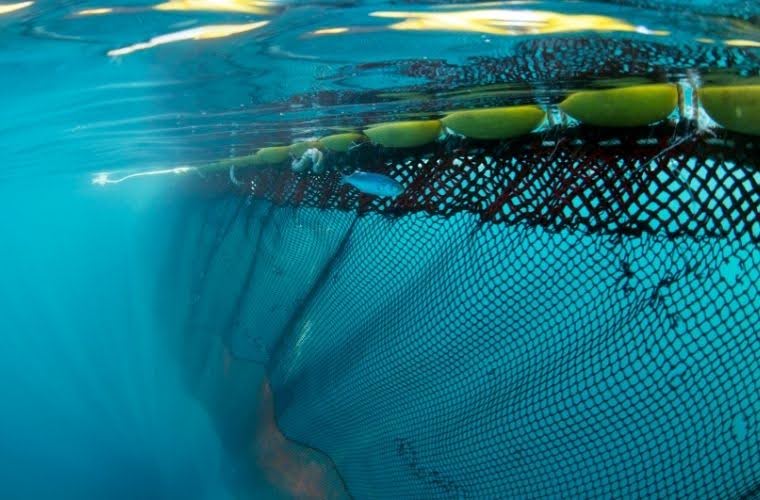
(623, 107)
(237, 162)
(405, 134)
(737, 108)
(495, 123)
(299, 148)
(341, 143)
(271, 155)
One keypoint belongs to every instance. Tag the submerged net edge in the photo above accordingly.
(663, 179)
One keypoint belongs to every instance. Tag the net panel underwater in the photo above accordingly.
(392, 249)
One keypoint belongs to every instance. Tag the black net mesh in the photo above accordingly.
(569, 314)
(450, 359)
(668, 180)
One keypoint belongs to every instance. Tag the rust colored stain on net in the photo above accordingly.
(294, 469)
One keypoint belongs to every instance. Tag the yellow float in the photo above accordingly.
(495, 123)
(622, 107)
(341, 143)
(407, 134)
(299, 148)
(271, 155)
(736, 108)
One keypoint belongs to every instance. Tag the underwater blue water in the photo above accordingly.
(94, 287)
(93, 402)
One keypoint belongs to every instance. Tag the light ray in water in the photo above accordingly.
(502, 22)
(95, 12)
(7, 8)
(103, 178)
(331, 31)
(509, 22)
(258, 7)
(199, 33)
(243, 6)
(742, 43)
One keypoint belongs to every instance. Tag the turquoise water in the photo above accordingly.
(117, 374)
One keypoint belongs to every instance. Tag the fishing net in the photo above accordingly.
(571, 313)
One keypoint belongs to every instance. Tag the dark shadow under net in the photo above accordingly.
(573, 314)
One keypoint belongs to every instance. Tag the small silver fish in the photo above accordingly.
(374, 184)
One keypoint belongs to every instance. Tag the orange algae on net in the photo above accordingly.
(495, 123)
(736, 108)
(634, 106)
(407, 134)
(293, 469)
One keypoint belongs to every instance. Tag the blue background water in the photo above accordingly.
(92, 300)
(93, 401)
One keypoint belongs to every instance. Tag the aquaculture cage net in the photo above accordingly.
(572, 313)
